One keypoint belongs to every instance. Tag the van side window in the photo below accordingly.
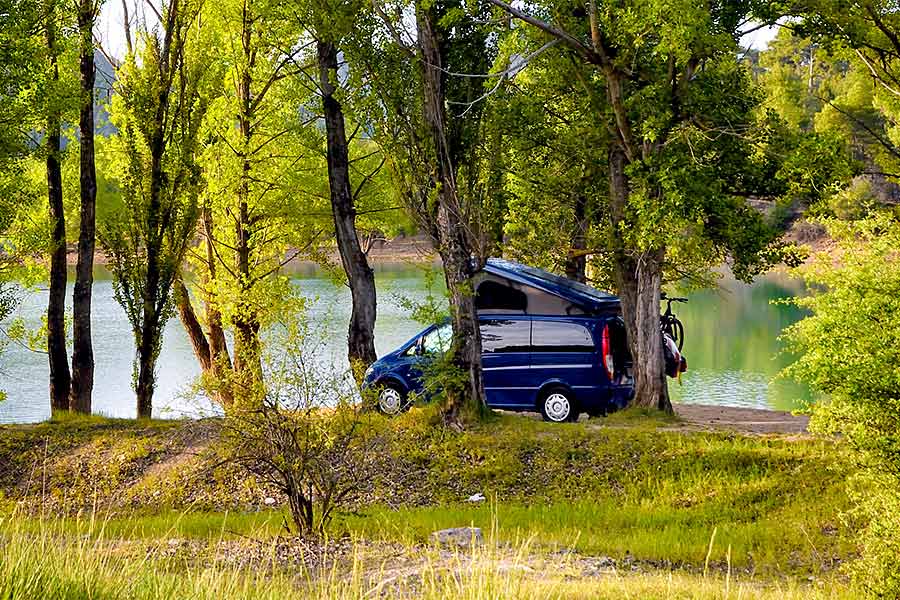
(503, 335)
(554, 336)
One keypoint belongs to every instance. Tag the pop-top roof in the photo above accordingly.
(568, 289)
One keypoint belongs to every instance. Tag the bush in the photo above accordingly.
(309, 438)
(849, 350)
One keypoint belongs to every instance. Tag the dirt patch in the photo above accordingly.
(741, 420)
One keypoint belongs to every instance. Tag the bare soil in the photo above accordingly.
(752, 421)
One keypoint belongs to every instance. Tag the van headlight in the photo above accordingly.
(369, 372)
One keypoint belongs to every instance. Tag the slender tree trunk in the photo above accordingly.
(148, 351)
(361, 333)
(192, 326)
(246, 323)
(209, 349)
(454, 237)
(148, 344)
(83, 352)
(576, 261)
(639, 277)
(60, 378)
(218, 345)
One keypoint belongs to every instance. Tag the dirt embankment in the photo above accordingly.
(130, 465)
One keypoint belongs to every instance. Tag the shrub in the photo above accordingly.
(849, 350)
(309, 438)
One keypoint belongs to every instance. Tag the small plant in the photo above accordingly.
(309, 438)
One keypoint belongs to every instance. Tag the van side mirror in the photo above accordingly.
(420, 346)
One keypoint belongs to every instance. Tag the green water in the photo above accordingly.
(731, 345)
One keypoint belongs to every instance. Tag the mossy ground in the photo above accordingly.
(629, 489)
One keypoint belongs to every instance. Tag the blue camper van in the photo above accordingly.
(549, 344)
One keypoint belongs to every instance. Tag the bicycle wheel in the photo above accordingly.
(677, 332)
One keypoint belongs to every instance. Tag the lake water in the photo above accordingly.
(731, 346)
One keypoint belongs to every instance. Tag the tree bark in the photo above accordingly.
(576, 261)
(218, 345)
(210, 349)
(639, 278)
(60, 377)
(247, 359)
(454, 239)
(192, 326)
(83, 352)
(361, 278)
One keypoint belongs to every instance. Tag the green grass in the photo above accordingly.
(772, 545)
(48, 563)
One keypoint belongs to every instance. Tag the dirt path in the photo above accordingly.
(741, 420)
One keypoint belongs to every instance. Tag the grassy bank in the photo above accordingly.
(627, 489)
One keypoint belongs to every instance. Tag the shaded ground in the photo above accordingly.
(740, 420)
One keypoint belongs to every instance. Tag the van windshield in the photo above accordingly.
(437, 341)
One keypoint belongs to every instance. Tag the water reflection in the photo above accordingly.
(732, 346)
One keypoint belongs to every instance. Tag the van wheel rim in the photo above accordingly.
(557, 407)
(389, 401)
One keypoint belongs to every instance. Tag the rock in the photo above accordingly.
(479, 497)
(269, 501)
(459, 537)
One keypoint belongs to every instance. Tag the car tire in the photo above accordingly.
(392, 399)
(557, 405)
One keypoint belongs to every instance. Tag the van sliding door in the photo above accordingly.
(564, 352)
(505, 346)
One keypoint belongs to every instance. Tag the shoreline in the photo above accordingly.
(413, 249)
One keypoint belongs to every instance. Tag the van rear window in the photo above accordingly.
(552, 336)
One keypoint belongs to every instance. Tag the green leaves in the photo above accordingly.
(849, 351)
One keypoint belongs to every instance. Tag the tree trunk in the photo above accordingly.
(218, 345)
(247, 359)
(192, 326)
(60, 378)
(83, 352)
(639, 278)
(454, 239)
(210, 349)
(361, 332)
(148, 351)
(576, 261)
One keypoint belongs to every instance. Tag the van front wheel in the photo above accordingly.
(558, 406)
(392, 400)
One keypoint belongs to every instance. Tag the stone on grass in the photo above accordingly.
(459, 537)
(479, 497)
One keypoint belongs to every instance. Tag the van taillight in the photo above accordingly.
(606, 353)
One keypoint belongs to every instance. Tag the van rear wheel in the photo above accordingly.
(558, 405)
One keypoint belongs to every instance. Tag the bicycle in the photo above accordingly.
(669, 323)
